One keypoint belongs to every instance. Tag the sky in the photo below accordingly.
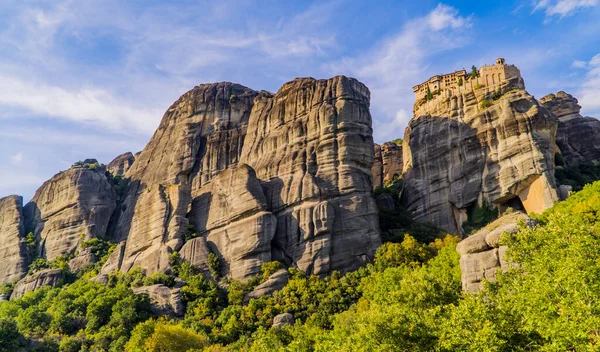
(92, 78)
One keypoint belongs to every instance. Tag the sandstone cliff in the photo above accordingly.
(468, 145)
(75, 204)
(259, 176)
(121, 164)
(312, 146)
(13, 252)
(578, 137)
(387, 163)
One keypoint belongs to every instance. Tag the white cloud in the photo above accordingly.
(563, 8)
(85, 105)
(579, 64)
(589, 94)
(17, 158)
(391, 68)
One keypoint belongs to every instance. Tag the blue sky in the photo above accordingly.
(84, 78)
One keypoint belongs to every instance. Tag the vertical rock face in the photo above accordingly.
(13, 252)
(459, 151)
(74, 203)
(578, 137)
(231, 213)
(259, 177)
(121, 164)
(387, 163)
(200, 135)
(311, 144)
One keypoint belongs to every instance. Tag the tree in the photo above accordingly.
(429, 96)
(10, 337)
(474, 72)
(460, 81)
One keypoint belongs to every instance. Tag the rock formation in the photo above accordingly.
(13, 251)
(578, 137)
(121, 164)
(275, 282)
(282, 320)
(387, 163)
(481, 255)
(259, 176)
(47, 277)
(312, 146)
(474, 144)
(163, 300)
(75, 204)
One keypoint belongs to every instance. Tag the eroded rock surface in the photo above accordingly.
(481, 254)
(13, 251)
(163, 300)
(275, 282)
(30, 283)
(76, 204)
(282, 320)
(578, 137)
(311, 144)
(459, 152)
(121, 164)
(387, 163)
(260, 176)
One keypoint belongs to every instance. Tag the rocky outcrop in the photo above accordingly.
(578, 137)
(387, 163)
(311, 144)
(75, 204)
(282, 320)
(163, 300)
(13, 251)
(44, 278)
(121, 164)
(84, 257)
(481, 254)
(275, 282)
(259, 176)
(468, 146)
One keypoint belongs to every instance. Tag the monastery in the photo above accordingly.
(490, 76)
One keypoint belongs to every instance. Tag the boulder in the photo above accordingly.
(113, 263)
(83, 258)
(13, 250)
(30, 283)
(163, 300)
(75, 204)
(282, 320)
(459, 154)
(275, 282)
(481, 254)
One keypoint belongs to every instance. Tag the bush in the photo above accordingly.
(484, 104)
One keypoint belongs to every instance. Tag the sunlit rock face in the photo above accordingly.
(259, 177)
(311, 144)
(474, 144)
(73, 206)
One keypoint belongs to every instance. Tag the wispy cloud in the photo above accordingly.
(589, 94)
(562, 8)
(392, 67)
(17, 158)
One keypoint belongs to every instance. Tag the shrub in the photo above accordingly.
(214, 265)
(484, 104)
